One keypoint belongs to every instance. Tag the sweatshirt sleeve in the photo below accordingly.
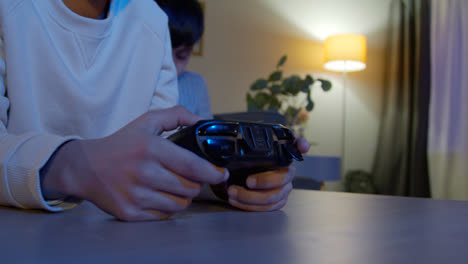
(22, 157)
(166, 92)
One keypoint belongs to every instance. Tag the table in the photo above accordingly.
(315, 227)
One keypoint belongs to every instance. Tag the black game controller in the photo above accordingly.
(243, 148)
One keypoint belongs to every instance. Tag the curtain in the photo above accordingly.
(448, 131)
(400, 165)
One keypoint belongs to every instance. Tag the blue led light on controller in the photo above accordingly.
(213, 128)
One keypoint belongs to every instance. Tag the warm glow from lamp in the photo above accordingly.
(345, 53)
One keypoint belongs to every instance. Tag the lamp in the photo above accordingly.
(345, 53)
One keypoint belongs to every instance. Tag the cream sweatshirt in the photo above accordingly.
(64, 76)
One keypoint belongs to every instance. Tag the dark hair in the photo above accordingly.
(186, 21)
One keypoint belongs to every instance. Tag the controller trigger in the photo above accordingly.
(293, 152)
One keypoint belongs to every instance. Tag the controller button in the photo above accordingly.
(219, 130)
(260, 134)
(261, 145)
(243, 147)
(219, 148)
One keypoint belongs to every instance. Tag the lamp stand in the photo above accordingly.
(343, 131)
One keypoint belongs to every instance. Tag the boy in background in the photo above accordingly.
(186, 27)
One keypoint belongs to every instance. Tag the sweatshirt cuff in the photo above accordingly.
(23, 172)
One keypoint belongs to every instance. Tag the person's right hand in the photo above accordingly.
(133, 174)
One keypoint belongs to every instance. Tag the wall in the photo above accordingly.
(244, 40)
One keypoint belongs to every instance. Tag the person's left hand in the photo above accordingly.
(267, 191)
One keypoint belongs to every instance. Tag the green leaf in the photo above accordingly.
(248, 97)
(275, 89)
(291, 113)
(261, 100)
(287, 84)
(251, 105)
(282, 61)
(309, 80)
(275, 76)
(291, 85)
(296, 88)
(274, 104)
(258, 102)
(259, 85)
(273, 108)
(326, 85)
(310, 105)
(303, 87)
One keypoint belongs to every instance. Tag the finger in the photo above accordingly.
(302, 145)
(170, 118)
(186, 163)
(153, 215)
(271, 179)
(258, 208)
(259, 197)
(148, 199)
(220, 169)
(153, 176)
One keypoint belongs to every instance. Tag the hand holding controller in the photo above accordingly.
(244, 148)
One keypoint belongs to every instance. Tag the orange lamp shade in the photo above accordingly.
(345, 53)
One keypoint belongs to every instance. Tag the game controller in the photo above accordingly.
(243, 148)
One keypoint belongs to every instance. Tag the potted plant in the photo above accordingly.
(289, 96)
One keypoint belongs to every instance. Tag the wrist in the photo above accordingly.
(57, 175)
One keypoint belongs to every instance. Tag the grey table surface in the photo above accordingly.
(314, 227)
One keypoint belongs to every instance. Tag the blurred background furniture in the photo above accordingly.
(315, 170)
